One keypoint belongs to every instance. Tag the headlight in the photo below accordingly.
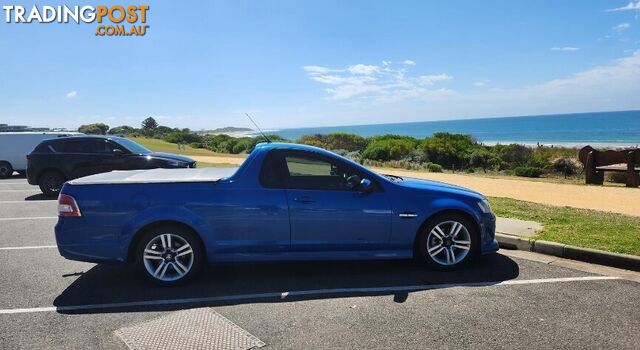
(484, 206)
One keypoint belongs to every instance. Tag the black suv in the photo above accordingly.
(55, 161)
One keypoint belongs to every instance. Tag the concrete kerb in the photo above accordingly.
(625, 261)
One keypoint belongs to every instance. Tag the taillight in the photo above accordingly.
(28, 156)
(67, 206)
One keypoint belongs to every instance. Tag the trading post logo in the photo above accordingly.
(113, 20)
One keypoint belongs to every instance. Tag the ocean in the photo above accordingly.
(599, 129)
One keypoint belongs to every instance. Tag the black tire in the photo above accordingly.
(427, 241)
(6, 170)
(51, 182)
(170, 257)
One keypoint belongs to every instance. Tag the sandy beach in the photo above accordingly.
(612, 199)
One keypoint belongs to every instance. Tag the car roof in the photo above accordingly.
(84, 138)
(290, 146)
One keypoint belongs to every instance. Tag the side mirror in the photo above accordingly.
(118, 152)
(366, 185)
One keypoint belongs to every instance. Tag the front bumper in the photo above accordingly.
(488, 242)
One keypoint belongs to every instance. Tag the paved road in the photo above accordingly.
(510, 300)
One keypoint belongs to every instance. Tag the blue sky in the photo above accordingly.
(203, 64)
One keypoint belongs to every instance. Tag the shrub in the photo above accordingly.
(388, 149)
(616, 177)
(527, 171)
(449, 149)
(181, 137)
(334, 141)
(481, 158)
(566, 166)
(514, 155)
(196, 145)
(94, 129)
(433, 167)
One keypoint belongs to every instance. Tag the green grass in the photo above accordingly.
(579, 227)
(163, 146)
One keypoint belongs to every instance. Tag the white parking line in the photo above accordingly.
(33, 201)
(29, 218)
(25, 190)
(29, 247)
(14, 183)
(284, 295)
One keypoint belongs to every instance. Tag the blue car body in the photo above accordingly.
(238, 218)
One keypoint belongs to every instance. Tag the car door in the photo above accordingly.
(325, 212)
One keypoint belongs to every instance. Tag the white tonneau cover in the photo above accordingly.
(156, 176)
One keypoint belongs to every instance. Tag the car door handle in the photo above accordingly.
(303, 199)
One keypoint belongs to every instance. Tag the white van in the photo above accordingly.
(14, 147)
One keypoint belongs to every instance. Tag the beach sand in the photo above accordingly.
(604, 198)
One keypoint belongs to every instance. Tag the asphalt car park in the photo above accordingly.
(509, 300)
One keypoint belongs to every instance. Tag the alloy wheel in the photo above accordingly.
(168, 257)
(448, 243)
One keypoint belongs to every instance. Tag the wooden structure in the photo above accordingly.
(597, 162)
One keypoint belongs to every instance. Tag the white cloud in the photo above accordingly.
(621, 27)
(376, 84)
(631, 6)
(71, 94)
(409, 62)
(565, 48)
(363, 69)
(432, 79)
(481, 83)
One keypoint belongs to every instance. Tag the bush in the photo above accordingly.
(616, 177)
(334, 141)
(527, 171)
(181, 137)
(566, 166)
(94, 129)
(433, 167)
(196, 145)
(514, 155)
(449, 149)
(389, 149)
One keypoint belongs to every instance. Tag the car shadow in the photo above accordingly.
(40, 197)
(232, 284)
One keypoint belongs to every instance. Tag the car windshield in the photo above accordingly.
(133, 147)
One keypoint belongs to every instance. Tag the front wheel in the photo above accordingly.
(448, 241)
(169, 255)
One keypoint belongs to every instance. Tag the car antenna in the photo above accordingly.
(257, 127)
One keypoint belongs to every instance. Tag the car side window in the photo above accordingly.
(312, 171)
(76, 147)
(270, 174)
(102, 147)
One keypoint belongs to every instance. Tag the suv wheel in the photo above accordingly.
(6, 170)
(448, 241)
(51, 182)
(169, 255)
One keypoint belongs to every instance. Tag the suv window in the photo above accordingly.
(85, 146)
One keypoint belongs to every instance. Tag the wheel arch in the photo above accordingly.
(47, 169)
(434, 215)
(135, 240)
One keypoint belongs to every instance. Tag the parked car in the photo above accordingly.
(55, 161)
(14, 147)
(285, 202)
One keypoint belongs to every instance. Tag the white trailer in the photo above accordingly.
(14, 147)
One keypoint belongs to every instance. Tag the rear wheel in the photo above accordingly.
(169, 255)
(6, 170)
(448, 241)
(51, 182)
